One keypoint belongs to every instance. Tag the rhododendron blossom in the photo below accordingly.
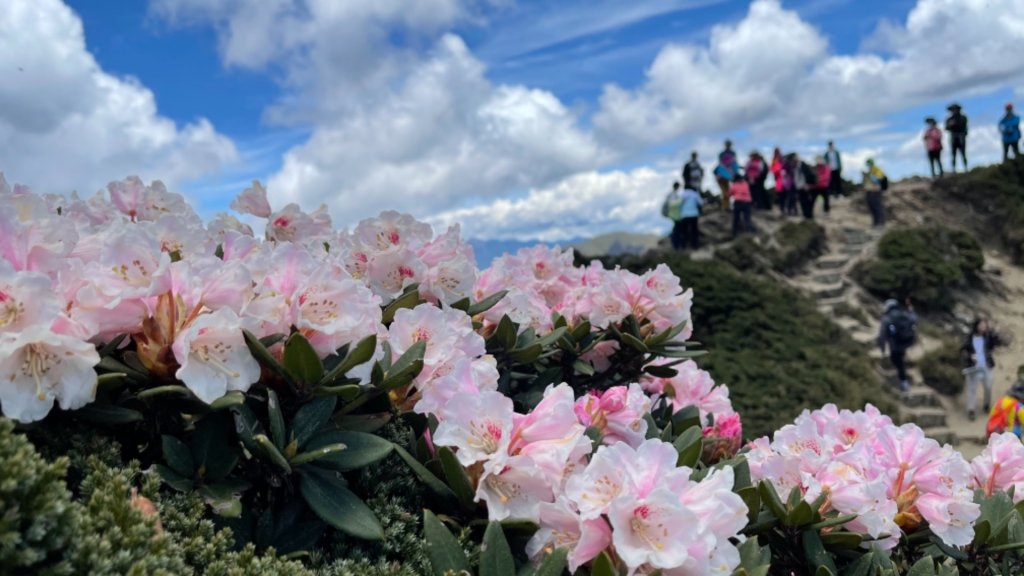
(213, 356)
(1000, 466)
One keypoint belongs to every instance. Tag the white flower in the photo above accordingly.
(479, 426)
(514, 488)
(213, 356)
(38, 366)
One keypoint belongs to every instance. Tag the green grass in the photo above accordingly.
(941, 369)
(777, 353)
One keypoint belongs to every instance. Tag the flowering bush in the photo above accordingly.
(553, 412)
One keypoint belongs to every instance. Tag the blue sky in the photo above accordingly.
(514, 118)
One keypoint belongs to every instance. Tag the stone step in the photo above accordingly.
(852, 249)
(943, 435)
(865, 337)
(827, 291)
(832, 262)
(827, 277)
(828, 303)
(975, 437)
(919, 396)
(926, 416)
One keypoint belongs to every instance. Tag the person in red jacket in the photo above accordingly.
(742, 205)
(776, 167)
(933, 144)
(823, 174)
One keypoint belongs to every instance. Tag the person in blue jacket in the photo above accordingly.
(1009, 127)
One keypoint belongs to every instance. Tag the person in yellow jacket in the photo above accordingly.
(1007, 414)
(875, 183)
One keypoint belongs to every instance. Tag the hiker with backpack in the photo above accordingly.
(725, 172)
(1007, 414)
(956, 125)
(693, 173)
(875, 183)
(805, 179)
(835, 164)
(897, 333)
(1009, 127)
(979, 363)
(823, 180)
(933, 145)
(742, 205)
(757, 173)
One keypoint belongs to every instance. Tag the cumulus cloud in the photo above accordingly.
(65, 124)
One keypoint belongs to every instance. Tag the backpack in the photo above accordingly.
(754, 169)
(810, 176)
(902, 331)
(1003, 418)
(883, 184)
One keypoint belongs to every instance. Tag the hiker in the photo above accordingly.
(791, 179)
(835, 181)
(726, 171)
(804, 181)
(742, 205)
(671, 209)
(933, 144)
(693, 173)
(875, 183)
(689, 212)
(777, 169)
(898, 333)
(823, 183)
(1009, 127)
(956, 125)
(978, 363)
(757, 173)
(1007, 414)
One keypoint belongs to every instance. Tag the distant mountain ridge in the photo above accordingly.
(611, 244)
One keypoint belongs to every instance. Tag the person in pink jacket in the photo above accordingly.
(933, 144)
(823, 177)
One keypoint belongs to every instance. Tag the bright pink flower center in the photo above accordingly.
(394, 237)
(282, 222)
(642, 512)
(405, 272)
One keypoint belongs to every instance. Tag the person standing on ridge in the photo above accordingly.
(690, 214)
(757, 173)
(671, 209)
(979, 363)
(933, 144)
(693, 173)
(823, 184)
(956, 125)
(898, 332)
(742, 205)
(875, 183)
(791, 179)
(726, 171)
(835, 164)
(776, 168)
(804, 181)
(1009, 127)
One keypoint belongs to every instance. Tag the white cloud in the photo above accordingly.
(66, 124)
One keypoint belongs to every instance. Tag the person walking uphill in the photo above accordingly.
(933, 145)
(875, 183)
(898, 333)
(1009, 127)
(693, 173)
(726, 171)
(979, 362)
(956, 125)
(835, 164)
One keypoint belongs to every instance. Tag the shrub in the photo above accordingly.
(848, 310)
(789, 249)
(941, 369)
(777, 353)
(923, 263)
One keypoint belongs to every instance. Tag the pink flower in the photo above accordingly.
(1000, 466)
(253, 201)
(562, 527)
(39, 366)
(478, 426)
(214, 357)
(513, 488)
(654, 530)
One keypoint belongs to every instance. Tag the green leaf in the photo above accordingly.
(486, 304)
(923, 567)
(443, 550)
(506, 334)
(770, 498)
(842, 539)
(461, 304)
(407, 300)
(526, 355)
(265, 358)
(583, 367)
(178, 456)
(173, 479)
(311, 418)
(686, 418)
(660, 371)
(347, 392)
(247, 426)
(816, 554)
(837, 521)
(361, 354)
(457, 478)
(495, 554)
(272, 453)
(214, 447)
(233, 398)
(551, 337)
(223, 500)
(406, 368)
(170, 389)
(301, 360)
(603, 566)
(109, 364)
(362, 422)
(634, 342)
(554, 564)
(99, 413)
(111, 380)
(277, 432)
(752, 499)
(689, 445)
(436, 486)
(319, 453)
(334, 503)
(361, 450)
(802, 515)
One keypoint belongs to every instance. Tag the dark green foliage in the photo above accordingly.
(771, 346)
(848, 310)
(997, 193)
(789, 249)
(925, 264)
(37, 519)
(941, 369)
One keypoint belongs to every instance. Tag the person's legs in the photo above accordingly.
(677, 235)
(689, 238)
(899, 361)
(825, 193)
(875, 207)
(747, 211)
(695, 232)
(736, 218)
(806, 203)
(835, 184)
(1006, 151)
(1015, 146)
(986, 381)
(972, 375)
(723, 185)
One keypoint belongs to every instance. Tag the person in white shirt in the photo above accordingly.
(978, 363)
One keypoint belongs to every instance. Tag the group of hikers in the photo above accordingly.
(898, 332)
(744, 189)
(956, 125)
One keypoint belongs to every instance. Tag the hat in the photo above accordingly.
(890, 304)
(953, 106)
(930, 120)
(870, 162)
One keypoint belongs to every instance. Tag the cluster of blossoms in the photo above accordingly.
(627, 495)
(542, 280)
(891, 477)
(1000, 466)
